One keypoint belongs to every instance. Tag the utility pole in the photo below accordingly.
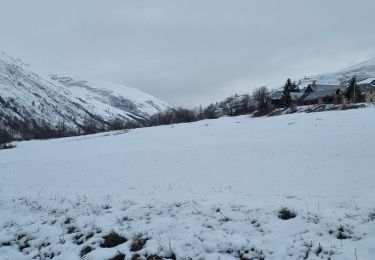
(353, 82)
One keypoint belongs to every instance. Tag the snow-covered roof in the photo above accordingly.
(323, 87)
(319, 94)
(296, 95)
(276, 95)
(279, 94)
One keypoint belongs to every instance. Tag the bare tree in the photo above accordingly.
(5, 138)
(262, 98)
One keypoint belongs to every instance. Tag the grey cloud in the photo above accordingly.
(189, 52)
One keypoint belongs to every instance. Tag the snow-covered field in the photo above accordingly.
(208, 190)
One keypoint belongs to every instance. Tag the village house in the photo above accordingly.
(314, 94)
(323, 94)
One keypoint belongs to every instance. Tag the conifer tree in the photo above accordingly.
(353, 92)
(286, 98)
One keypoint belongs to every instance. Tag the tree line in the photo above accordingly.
(13, 129)
(258, 104)
(23, 129)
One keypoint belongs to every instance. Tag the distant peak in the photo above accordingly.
(367, 63)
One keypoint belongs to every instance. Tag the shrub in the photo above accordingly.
(139, 241)
(85, 251)
(285, 213)
(371, 215)
(118, 256)
(136, 257)
(112, 239)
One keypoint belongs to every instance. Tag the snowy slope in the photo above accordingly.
(38, 100)
(208, 190)
(108, 97)
(362, 71)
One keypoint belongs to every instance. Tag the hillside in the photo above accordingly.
(362, 71)
(206, 190)
(29, 101)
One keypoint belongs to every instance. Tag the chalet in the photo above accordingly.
(315, 94)
(329, 96)
(323, 94)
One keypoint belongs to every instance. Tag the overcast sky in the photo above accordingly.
(189, 52)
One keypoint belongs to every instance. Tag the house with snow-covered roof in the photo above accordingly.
(328, 96)
(323, 94)
(314, 87)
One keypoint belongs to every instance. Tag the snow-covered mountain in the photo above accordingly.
(362, 71)
(30, 100)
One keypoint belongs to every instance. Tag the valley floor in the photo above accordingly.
(207, 190)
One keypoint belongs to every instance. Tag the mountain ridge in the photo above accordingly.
(362, 71)
(29, 101)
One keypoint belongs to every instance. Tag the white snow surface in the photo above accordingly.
(206, 190)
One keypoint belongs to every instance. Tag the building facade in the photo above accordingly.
(370, 95)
